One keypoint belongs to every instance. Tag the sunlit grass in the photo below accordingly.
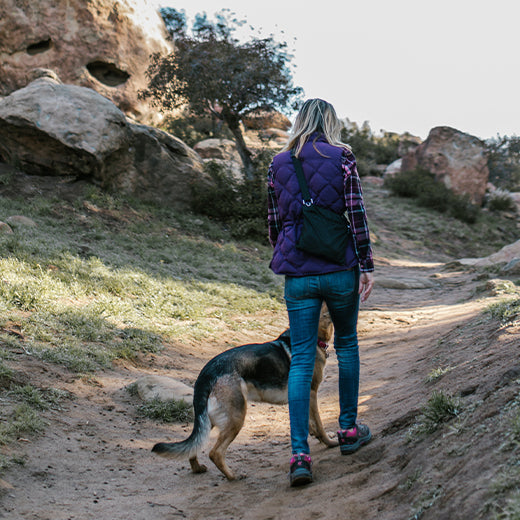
(85, 290)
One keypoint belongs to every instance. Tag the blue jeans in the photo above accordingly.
(304, 297)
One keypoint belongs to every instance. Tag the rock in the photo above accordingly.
(222, 151)
(164, 388)
(516, 199)
(5, 229)
(104, 45)
(217, 149)
(20, 220)
(89, 137)
(505, 255)
(408, 144)
(278, 135)
(512, 268)
(404, 283)
(457, 159)
(394, 167)
(262, 119)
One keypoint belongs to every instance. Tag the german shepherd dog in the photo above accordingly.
(256, 372)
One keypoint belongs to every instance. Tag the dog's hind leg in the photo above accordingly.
(227, 410)
(196, 467)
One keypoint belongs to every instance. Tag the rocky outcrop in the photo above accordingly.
(48, 128)
(507, 255)
(457, 159)
(101, 44)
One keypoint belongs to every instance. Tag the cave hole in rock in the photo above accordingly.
(39, 47)
(107, 73)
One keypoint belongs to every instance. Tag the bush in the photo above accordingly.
(500, 200)
(503, 154)
(192, 129)
(240, 204)
(422, 186)
(370, 150)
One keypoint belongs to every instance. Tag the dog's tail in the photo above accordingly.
(201, 429)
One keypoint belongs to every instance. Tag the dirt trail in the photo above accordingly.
(94, 461)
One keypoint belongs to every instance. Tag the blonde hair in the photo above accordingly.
(316, 115)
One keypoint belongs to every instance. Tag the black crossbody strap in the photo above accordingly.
(307, 199)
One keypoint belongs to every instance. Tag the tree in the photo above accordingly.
(216, 73)
(504, 161)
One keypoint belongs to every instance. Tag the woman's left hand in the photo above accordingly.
(366, 283)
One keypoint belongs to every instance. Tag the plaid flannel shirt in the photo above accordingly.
(355, 211)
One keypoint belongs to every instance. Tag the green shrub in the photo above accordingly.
(422, 186)
(193, 129)
(500, 200)
(506, 311)
(439, 409)
(240, 204)
(370, 150)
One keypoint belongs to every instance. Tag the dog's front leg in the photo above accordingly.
(315, 424)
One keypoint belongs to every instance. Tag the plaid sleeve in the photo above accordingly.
(273, 216)
(356, 212)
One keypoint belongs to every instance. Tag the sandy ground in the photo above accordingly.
(94, 461)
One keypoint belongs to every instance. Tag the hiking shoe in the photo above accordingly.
(300, 472)
(351, 440)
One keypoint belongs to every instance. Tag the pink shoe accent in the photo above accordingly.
(352, 432)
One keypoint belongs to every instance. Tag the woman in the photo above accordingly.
(330, 170)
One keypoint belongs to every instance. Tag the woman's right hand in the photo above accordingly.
(366, 283)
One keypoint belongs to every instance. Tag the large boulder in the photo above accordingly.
(101, 44)
(48, 128)
(457, 159)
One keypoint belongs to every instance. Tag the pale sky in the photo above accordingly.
(401, 65)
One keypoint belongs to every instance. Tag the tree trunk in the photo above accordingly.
(233, 123)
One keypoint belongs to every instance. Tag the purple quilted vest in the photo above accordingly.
(324, 177)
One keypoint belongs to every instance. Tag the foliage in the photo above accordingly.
(506, 311)
(370, 150)
(241, 204)
(439, 409)
(216, 73)
(504, 162)
(193, 129)
(422, 186)
(500, 200)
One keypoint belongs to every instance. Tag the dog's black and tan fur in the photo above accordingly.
(256, 372)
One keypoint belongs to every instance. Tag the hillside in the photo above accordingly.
(102, 291)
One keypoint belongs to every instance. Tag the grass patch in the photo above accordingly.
(167, 411)
(439, 409)
(23, 420)
(506, 311)
(437, 373)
